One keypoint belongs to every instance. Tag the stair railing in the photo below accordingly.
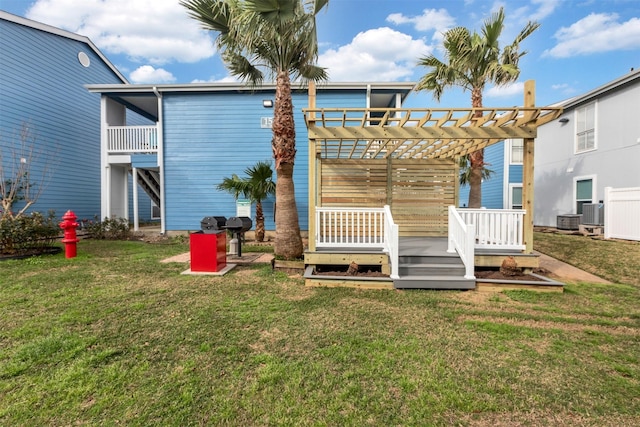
(461, 239)
(391, 241)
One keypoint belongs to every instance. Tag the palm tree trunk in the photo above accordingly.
(476, 159)
(288, 243)
(259, 222)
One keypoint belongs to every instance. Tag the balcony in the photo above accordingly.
(132, 139)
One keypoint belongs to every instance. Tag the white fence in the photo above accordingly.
(496, 228)
(132, 139)
(622, 213)
(461, 240)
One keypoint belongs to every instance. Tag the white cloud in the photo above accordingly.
(155, 31)
(598, 32)
(148, 74)
(213, 79)
(505, 91)
(380, 54)
(431, 19)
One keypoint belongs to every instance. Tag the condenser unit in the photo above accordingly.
(593, 214)
(569, 222)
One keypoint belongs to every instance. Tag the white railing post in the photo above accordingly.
(392, 241)
(469, 242)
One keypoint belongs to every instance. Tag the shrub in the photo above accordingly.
(109, 229)
(27, 233)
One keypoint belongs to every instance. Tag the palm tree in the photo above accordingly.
(277, 37)
(256, 187)
(473, 61)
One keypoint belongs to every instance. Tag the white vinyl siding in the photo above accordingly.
(586, 128)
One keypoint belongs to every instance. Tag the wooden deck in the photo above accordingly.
(418, 247)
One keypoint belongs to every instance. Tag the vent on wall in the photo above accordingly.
(569, 222)
(593, 214)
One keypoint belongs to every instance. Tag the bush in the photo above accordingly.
(27, 233)
(109, 229)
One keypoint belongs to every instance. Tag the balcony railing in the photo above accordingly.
(132, 139)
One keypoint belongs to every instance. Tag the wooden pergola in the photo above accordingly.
(358, 142)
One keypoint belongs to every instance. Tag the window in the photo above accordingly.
(155, 211)
(517, 151)
(515, 196)
(584, 193)
(585, 128)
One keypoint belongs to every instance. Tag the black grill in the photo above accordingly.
(238, 225)
(213, 224)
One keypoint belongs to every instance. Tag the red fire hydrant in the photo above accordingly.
(70, 239)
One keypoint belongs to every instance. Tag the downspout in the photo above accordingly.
(159, 127)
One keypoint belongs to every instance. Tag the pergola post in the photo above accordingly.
(527, 171)
(313, 186)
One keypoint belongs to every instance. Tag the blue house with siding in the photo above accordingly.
(198, 134)
(43, 73)
(503, 189)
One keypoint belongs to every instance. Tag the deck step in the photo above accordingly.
(432, 259)
(424, 269)
(434, 282)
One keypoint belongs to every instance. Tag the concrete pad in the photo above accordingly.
(565, 271)
(222, 272)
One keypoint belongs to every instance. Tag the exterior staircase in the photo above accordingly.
(149, 181)
(430, 268)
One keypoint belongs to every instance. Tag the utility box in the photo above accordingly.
(208, 251)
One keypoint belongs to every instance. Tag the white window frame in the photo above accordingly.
(594, 191)
(510, 196)
(511, 161)
(578, 132)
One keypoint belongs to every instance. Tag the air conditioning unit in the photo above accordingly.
(569, 222)
(593, 214)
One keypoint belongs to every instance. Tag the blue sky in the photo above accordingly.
(580, 45)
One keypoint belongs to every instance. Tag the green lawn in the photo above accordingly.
(114, 337)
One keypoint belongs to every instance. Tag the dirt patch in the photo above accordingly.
(337, 270)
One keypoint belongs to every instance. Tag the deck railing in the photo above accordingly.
(461, 240)
(132, 139)
(365, 228)
(350, 227)
(496, 228)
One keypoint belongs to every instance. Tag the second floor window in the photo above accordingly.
(585, 128)
(517, 151)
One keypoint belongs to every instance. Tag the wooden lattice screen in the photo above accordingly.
(418, 191)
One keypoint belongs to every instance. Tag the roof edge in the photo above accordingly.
(600, 90)
(226, 86)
